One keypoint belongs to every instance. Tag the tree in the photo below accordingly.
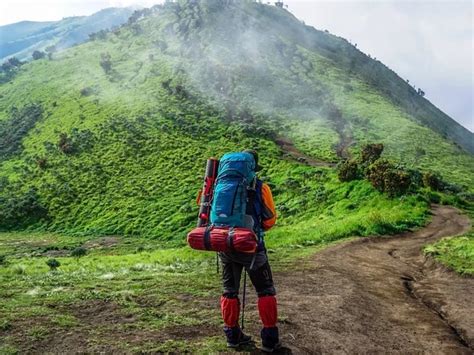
(106, 62)
(53, 264)
(50, 50)
(14, 61)
(38, 55)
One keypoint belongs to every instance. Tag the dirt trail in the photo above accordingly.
(379, 295)
(288, 148)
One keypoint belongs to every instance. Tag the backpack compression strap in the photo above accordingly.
(207, 237)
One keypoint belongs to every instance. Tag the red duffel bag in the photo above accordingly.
(223, 239)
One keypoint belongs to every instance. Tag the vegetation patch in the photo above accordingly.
(457, 253)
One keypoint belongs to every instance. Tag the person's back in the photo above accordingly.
(260, 210)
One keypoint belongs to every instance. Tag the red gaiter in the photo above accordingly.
(267, 308)
(230, 308)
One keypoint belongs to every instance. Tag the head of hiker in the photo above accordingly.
(251, 198)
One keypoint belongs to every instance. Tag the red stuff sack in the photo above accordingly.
(223, 239)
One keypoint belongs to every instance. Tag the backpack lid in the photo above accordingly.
(237, 164)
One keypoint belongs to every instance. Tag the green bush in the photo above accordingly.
(17, 127)
(388, 178)
(53, 264)
(348, 171)
(19, 211)
(79, 252)
(370, 153)
(396, 182)
(433, 181)
(376, 173)
(65, 144)
(38, 55)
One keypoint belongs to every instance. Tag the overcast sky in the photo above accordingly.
(429, 42)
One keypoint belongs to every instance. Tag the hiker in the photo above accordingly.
(261, 208)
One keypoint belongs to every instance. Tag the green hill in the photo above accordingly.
(111, 136)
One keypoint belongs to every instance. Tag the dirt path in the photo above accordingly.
(288, 147)
(380, 295)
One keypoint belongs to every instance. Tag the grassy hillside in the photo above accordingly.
(117, 130)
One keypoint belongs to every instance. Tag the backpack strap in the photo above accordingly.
(207, 237)
(258, 203)
(230, 238)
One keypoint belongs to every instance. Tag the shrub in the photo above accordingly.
(348, 171)
(17, 211)
(396, 182)
(79, 252)
(38, 55)
(53, 264)
(42, 163)
(388, 178)
(433, 181)
(65, 144)
(106, 62)
(376, 173)
(87, 91)
(370, 153)
(14, 61)
(14, 129)
(50, 50)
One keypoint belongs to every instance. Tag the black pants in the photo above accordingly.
(260, 274)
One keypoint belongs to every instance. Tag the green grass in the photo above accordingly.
(457, 253)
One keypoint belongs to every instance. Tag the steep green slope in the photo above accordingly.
(126, 122)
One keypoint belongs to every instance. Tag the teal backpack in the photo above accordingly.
(236, 176)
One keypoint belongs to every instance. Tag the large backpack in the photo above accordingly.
(236, 176)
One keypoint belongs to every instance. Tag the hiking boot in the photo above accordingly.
(270, 339)
(235, 337)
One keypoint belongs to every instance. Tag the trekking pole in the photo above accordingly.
(243, 299)
(217, 263)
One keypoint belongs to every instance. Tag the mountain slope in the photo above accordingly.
(21, 39)
(111, 136)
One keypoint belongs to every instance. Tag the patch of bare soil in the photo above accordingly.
(103, 327)
(102, 243)
(380, 295)
(288, 148)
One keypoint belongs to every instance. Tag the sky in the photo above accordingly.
(429, 42)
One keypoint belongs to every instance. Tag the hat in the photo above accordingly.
(255, 157)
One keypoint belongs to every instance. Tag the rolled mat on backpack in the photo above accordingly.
(205, 195)
(223, 239)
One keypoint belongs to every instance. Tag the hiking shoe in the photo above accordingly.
(270, 339)
(235, 337)
(268, 349)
